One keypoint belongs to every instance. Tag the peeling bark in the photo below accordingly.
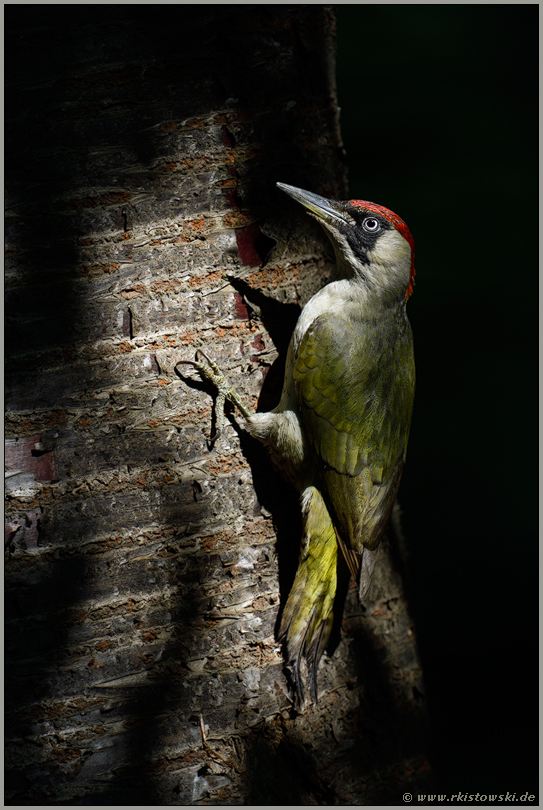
(144, 571)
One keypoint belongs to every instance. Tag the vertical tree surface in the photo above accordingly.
(145, 571)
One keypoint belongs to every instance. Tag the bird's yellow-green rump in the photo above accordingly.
(340, 431)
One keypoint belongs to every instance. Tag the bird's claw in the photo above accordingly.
(203, 369)
(211, 371)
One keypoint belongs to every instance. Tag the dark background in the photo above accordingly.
(439, 119)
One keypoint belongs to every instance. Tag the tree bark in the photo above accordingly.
(145, 571)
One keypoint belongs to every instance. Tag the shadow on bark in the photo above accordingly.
(380, 753)
(371, 751)
(45, 319)
(35, 634)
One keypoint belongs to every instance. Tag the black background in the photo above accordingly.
(439, 120)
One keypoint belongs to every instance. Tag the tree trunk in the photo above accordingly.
(145, 571)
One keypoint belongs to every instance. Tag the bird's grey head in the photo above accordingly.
(372, 244)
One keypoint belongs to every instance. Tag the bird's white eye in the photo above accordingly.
(371, 225)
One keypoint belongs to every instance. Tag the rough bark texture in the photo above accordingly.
(144, 571)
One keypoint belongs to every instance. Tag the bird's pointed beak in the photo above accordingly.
(318, 206)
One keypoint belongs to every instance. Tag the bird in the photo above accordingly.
(339, 433)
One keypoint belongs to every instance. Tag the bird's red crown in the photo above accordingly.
(400, 226)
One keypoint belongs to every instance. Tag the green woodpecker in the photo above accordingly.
(339, 433)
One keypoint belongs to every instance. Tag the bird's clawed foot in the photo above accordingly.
(211, 371)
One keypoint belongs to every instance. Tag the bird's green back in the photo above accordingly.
(355, 379)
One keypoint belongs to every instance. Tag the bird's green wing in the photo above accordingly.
(355, 382)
